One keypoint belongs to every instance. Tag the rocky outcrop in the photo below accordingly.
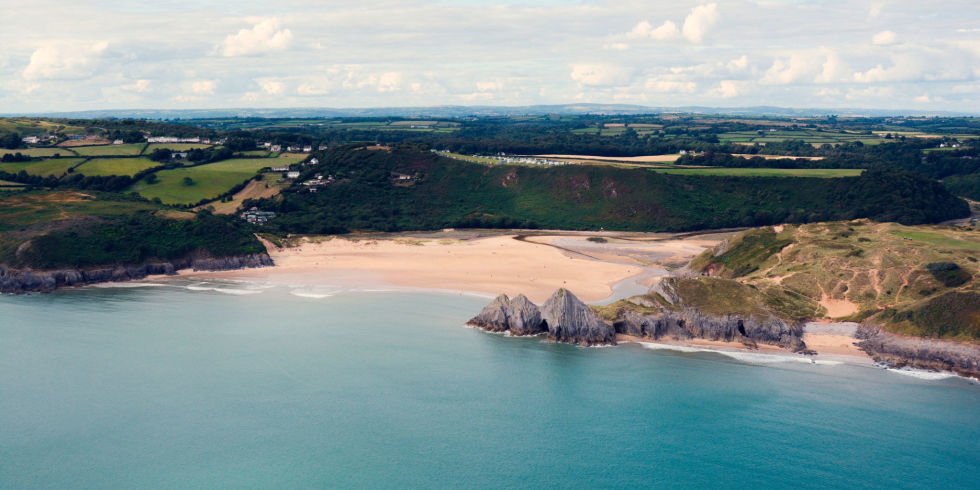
(27, 280)
(689, 323)
(570, 320)
(518, 316)
(931, 354)
(563, 317)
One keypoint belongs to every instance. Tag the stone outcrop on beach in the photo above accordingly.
(690, 323)
(570, 320)
(27, 280)
(563, 317)
(919, 353)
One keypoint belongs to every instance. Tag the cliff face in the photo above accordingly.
(690, 323)
(563, 317)
(570, 320)
(26, 280)
(939, 355)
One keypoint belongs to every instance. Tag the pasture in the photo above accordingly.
(40, 152)
(101, 167)
(52, 167)
(110, 150)
(175, 146)
(811, 136)
(823, 173)
(206, 181)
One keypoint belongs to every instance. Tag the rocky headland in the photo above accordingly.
(28, 280)
(564, 318)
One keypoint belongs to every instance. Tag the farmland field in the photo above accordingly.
(110, 150)
(176, 146)
(207, 181)
(811, 136)
(40, 152)
(55, 166)
(98, 167)
(764, 172)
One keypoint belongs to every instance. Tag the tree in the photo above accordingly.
(188, 181)
(152, 179)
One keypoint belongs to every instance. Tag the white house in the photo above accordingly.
(31, 140)
(292, 175)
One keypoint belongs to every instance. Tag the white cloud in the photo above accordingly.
(670, 86)
(738, 64)
(884, 38)
(203, 87)
(728, 89)
(492, 86)
(803, 67)
(696, 26)
(701, 19)
(390, 81)
(138, 86)
(64, 61)
(600, 75)
(271, 87)
(617, 46)
(264, 36)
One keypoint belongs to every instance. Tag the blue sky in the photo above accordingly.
(78, 55)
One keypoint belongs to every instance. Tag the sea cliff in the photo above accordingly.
(29, 280)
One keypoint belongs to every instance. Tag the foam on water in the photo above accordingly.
(750, 357)
(224, 290)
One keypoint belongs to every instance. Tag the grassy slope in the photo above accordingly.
(55, 166)
(74, 229)
(110, 150)
(883, 268)
(824, 173)
(210, 180)
(455, 193)
(98, 167)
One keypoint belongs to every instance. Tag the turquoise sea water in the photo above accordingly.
(166, 387)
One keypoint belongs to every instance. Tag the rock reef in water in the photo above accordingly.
(899, 351)
(570, 320)
(27, 280)
(690, 323)
(563, 317)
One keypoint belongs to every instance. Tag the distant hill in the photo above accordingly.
(449, 111)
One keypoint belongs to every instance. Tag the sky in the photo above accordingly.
(166, 54)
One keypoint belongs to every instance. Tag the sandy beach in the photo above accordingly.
(598, 267)
(535, 264)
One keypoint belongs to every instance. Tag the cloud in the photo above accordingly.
(696, 26)
(644, 30)
(738, 64)
(728, 89)
(699, 21)
(264, 36)
(64, 61)
(390, 81)
(138, 86)
(884, 38)
(203, 87)
(271, 87)
(600, 75)
(670, 86)
(803, 67)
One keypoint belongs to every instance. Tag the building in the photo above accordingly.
(31, 140)
(257, 217)
(307, 149)
(178, 155)
(117, 142)
(313, 161)
(292, 175)
(275, 148)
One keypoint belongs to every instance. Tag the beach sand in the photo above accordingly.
(535, 265)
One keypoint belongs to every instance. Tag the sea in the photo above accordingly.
(183, 384)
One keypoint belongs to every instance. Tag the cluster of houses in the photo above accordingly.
(256, 217)
(268, 145)
(35, 140)
(504, 159)
(949, 145)
(317, 181)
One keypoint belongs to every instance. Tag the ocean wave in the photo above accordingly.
(749, 357)
(109, 285)
(923, 374)
(312, 294)
(223, 290)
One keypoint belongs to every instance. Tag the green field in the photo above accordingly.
(823, 173)
(110, 150)
(40, 152)
(10, 186)
(255, 153)
(55, 166)
(811, 136)
(176, 146)
(209, 181)
(100, 167)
